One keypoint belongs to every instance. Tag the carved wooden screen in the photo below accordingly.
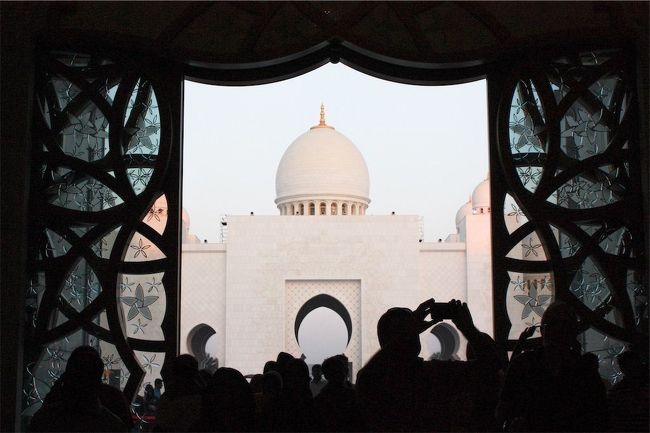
(104, 219)
(568, 221)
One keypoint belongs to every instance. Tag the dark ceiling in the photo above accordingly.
(236, 32)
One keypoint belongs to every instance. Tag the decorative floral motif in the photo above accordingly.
(150, 362)
(154, 285)
(139, 304)
(530, 248)
(140, 249)
(138, 327)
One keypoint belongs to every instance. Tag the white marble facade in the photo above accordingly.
(248, 289)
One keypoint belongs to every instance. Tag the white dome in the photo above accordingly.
(185, 218)
(462, 213)
(481, 195)
(322, 163)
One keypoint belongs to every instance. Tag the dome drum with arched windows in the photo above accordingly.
(322, 173)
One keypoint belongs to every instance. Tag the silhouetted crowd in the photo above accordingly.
(550, 388)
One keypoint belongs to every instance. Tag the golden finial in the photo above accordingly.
(322, 115)
(322, 123)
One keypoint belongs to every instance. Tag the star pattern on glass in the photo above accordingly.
(529, 175)
(108, 199)
(110, 360)
(611, 349)
(532, 304)
(140, 248)
(31, 393)
(53, 374)
(518, 284)
(34, 288)
(150, 362)
(516, 212)
(154, 285)
(139, 304)
(138, 327)
(570, 246)
(532, 322)
(140, 176)
(54, 355)
(546, 284)
(530, 248)
(125, 284)
(155, 213)
(75, 296)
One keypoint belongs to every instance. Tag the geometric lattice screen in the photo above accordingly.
(104, 222)
(567, 208)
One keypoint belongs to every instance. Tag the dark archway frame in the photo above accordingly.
(172, 72)
(198, 338)
(326, 301)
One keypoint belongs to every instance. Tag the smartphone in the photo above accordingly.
(442, 310)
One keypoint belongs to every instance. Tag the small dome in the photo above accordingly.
(185, 218)
(462, 213)
(481, 195)
(322, 163)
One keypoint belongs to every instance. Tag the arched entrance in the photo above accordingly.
(322, 328)
(202, 344)
(323, 318)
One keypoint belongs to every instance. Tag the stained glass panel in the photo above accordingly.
(570, 206)
(100, 234)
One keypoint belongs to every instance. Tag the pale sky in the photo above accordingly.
(426, 148)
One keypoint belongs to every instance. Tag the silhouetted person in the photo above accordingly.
(157, 388)
(180, 405)
(270, 365)
(521, 341)
(297, 402)
(270, 410)
(317, 381)
(281, 363)
(399, 391)
(628, 399)
(75, 404)
(228, 404)
(554, 388)
(336, 405)
(115, 401)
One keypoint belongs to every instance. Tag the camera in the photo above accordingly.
(442, 310)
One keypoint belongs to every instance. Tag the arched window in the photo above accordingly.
(312, 209)
(302, 209)
(202, 344)
(353, 209)
(334, 209)
(323, 208)
(344, 209)
(293, 210)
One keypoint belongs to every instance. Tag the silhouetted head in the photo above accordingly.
(559, 326)
(158, 383)
(296, 375)
(256, 383)
(397, 329)
(335, 369)
(281, 363)
(272, 383)
(83, 372)
(184, 366)
(270, 366)
(230, 401)
(148, 392)
(316, 372)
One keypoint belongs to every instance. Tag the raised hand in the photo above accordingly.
(420, 314)
(462, 318)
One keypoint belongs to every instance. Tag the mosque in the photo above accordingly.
(252, 295)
